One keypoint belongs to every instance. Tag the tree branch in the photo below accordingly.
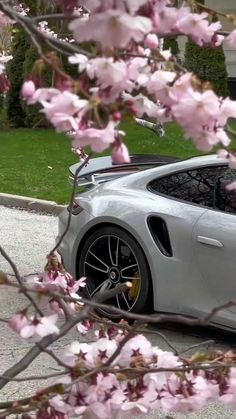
(19, 279)
(85, 162)
(33, 353)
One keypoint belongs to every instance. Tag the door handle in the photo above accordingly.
(209, 241)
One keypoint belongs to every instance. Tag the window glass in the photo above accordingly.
(199, 186)
(225, 199)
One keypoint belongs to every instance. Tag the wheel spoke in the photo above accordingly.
(117, 251)
(127, 277)
(109, 248)
(117, 299)
(123, 295)
(129, 267)
(96, 268)
(102, 287)
(103, 263)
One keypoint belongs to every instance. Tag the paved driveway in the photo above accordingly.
(28, 237)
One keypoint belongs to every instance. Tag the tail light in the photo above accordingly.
(75, 208)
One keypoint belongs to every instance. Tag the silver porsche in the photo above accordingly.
(167, 226)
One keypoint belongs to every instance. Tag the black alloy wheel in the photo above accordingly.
(110, 256)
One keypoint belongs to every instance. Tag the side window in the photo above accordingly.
(225, 199)
(197, 186)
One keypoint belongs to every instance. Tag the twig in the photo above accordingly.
(121, 344)
(162, 318)
(41, 36)
(52, 355)
(64, 306)
(19, 279)
(71, 203)
(34, 377)
(33, 353)
(55, 16)
(206, 342)
(144, 318)
(126, 371)
(123, 326)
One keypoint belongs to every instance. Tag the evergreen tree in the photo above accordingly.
(15, 112)
(208, 64)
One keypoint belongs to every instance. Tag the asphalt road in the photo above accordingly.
(27, 237)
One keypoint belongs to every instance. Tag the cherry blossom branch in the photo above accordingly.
(19, 279)
(34, 377)
(34, 352)
(143, 318)
(163, 318)
(131, 333)
(52, 355)
(137, 371)
(55, 16)
(85, 162)
(26, 22)
(197, 345)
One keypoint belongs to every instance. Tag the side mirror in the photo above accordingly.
(157, 128)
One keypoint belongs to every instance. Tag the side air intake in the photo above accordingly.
(159, 232)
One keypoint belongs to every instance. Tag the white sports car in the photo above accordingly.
(167, 226)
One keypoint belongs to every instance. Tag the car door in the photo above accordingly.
(214, 238)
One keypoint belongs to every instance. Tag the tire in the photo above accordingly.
(109, 256)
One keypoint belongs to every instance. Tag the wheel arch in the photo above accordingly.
(97, 226)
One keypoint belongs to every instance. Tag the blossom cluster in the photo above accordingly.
(116, 373)
(53, 280)
(115, 24)
(142, 378)
(124, 70)
(130, 73)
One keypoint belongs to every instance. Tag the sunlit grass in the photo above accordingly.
(35, 162)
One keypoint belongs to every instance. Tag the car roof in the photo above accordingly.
(140, 179)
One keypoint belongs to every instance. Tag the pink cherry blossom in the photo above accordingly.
(165, 20)
(197, 26)
(204, 106)
(227, 110)
(151, 41)
(230, 40)
(97, 139)
(110, 74)
(111, 29)
(40, 327)
(79, 59)
(141, 105)
(135, 347)
(120, 154)
(64, 122)
(63, 103)
(42, 94)
(18, 321)
(159, 84)
(28, 89)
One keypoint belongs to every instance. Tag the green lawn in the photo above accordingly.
(35, 162)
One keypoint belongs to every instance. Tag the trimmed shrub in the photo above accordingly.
(172, 44)
(208, 64)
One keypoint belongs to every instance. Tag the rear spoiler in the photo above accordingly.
(102, 169)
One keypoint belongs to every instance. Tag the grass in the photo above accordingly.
(35, 162)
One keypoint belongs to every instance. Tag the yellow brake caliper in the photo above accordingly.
(133, 291)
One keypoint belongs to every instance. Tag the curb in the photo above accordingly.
(30, 204)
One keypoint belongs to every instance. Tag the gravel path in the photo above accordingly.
(27, 237)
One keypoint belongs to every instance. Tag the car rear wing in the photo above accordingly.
(102, 169)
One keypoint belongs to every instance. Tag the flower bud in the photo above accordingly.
(151, 41)
(120, 154)
(28, 89)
